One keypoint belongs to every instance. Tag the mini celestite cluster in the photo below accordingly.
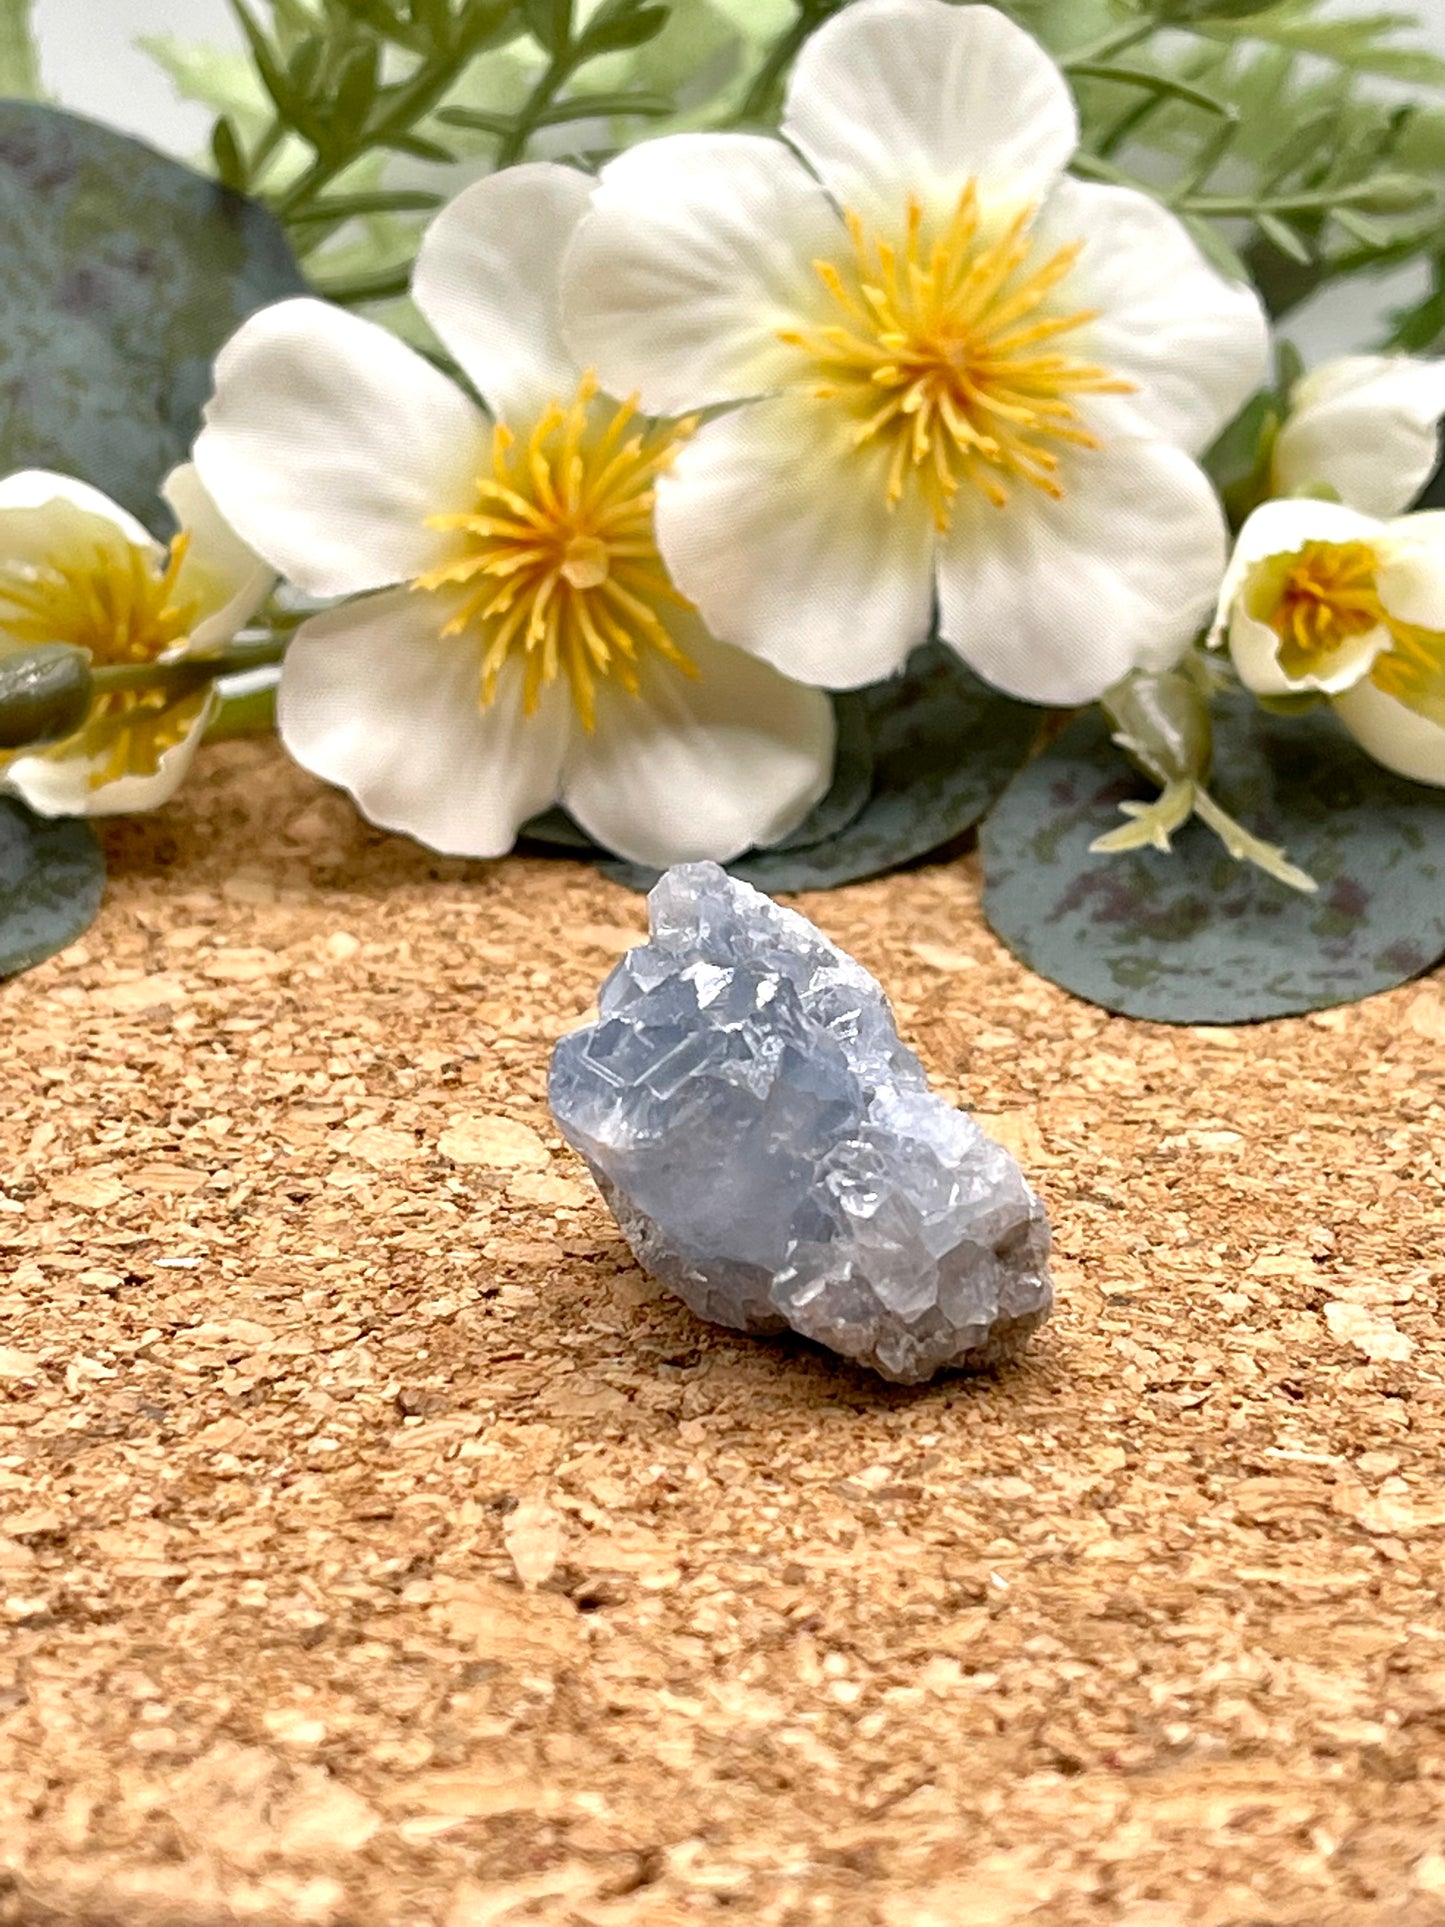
(772, 1151)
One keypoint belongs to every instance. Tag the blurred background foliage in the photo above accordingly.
(1303, 146)
(1308, 146)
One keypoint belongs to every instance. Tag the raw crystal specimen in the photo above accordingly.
(772, 1151)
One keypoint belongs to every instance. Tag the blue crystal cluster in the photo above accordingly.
(773, 1153)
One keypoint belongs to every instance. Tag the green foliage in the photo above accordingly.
(1263, 123)
(352, 119)
(1196, 937)
(121, 274)
(19, 55)
(45, 694)
(52, 878)
(1299, 172)
(920, 758)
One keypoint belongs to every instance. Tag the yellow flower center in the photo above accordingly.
(945, 356)
(1325, 595)
(559, 565)
(123, 606)
(114, 600)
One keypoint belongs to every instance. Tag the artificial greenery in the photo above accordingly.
(1195, 937)
(1279, 134)
(52, 877)
(920, 759)
(19, 58)
(121, 275)
(1264, 126)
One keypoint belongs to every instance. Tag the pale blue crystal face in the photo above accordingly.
(772, 1151)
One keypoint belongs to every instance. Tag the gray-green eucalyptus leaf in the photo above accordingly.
(52, 878)
(1191, 936)
(121, 275)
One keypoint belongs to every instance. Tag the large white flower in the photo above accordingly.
(525, 645)
(953, 371)
(1366, 427)
(76, 568)
(1321, 598)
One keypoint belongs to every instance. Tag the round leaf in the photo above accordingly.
(852, 784)
(1193, 937)
(848, 792)
(942, 747)
(52, 877)
(555, 829)
(121, 274)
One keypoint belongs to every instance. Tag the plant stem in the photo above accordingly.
(783, 52)
(1105, 48)
(1318, 201)
(415, 100)
(190, 672)
(265, 148)
(385, 285)
(513, 144)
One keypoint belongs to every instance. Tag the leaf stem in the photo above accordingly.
(1105, 48)
(1317, 201)
(411, 103)
(560, 68)
(189, 672)
(785, 49)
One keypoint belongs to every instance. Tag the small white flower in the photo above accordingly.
(1320, 598)
(526, 645)
(955, 373)
(76, 568)
(1365, 427)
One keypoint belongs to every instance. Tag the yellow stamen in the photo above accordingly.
(120, 603)
(1325, 595)
(111, 599)
(558, 562)
(952, 336)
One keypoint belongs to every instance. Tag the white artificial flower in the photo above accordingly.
(1366, 428)
(950, 372)
(516, 641)
(76, 568)
(1319, 598)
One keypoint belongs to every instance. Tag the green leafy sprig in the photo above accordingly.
(1267, 125)
(19, 55)
(349, 83)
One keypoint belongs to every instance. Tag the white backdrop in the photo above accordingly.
(91, 64)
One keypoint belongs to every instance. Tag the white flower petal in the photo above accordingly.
(1280, 528)
(1195, 346)
(31, 488)
(488, 279)
(328, 443)
(706, 768)
(898, 98)
(229, 579)
(1411, 576)
(43, 514)
(779, 530)
(697, 252)
(1054, 601)
(1254, 651)
(1398, 737)
(1365, 426)
(373, 699)
(61, 786)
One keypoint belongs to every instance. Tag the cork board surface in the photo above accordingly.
(313, 1338)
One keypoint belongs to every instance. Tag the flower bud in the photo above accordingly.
(1161, 722)
(45, 695)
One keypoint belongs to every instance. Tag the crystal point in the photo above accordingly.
(772, 1152)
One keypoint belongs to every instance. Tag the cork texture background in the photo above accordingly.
(379, 1549)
